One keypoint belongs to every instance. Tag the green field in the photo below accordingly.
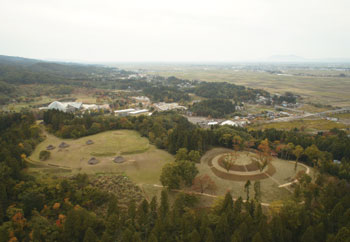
(143, 161)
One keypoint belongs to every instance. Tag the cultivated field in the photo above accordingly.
(143, 161)
(308, 125)
(317, 86)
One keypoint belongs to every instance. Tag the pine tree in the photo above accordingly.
(90, 236)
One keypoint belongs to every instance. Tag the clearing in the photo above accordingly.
(143, 161)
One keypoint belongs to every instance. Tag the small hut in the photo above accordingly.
(50, 147)
(119, 159)
(89, 142)
(93, 161)
(63, 145)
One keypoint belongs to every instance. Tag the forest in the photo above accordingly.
(227, 91)
(216, 108)
(70, 209)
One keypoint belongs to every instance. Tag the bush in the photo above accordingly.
(44, 155)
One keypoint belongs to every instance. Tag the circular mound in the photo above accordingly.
(89, 142)
(63, 145)
(243, 169)
(50, 147)
(93, 161)
(119, 159)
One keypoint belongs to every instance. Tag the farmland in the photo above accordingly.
(316, 86)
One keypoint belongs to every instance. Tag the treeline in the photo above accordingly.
(19, 136)
(71, 211)
(216, 108)
(227, 91)
(287, 97)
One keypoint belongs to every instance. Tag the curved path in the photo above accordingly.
(205, 194)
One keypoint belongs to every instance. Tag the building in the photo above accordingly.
(124, 112)
(229, 122)
(65, 106)
(138, 111)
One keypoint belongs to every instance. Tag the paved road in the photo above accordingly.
(307, 114)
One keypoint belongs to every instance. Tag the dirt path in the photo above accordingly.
(204, 194)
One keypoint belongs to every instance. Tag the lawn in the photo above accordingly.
(143, 161)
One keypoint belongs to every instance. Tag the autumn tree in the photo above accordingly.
(298, 151)
(229, 160)
(202, 183)
(263, 156)
(313, 153)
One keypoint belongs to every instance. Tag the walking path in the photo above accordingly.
(204, 194)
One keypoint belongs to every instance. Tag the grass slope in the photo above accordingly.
(143, 161)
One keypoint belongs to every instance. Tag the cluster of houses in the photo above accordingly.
(74, 106)
(236, 122)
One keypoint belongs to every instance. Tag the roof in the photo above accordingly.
(139, 111)
(229, 122)
(57, 105)
(63, 106)
(213, 123)
(124, 110)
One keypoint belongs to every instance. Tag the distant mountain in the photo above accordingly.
(286, 58)
(18, 70)
(4, 59)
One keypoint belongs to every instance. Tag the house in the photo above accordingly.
(212, 123)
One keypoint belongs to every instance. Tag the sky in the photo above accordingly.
(174, 31)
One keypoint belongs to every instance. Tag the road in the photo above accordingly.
(307, 114)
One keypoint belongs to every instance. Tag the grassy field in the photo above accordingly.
(308, 125)
(269, 187)
(143, 161)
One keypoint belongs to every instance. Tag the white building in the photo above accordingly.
(65, 106)
(229, 122)
(138, 111)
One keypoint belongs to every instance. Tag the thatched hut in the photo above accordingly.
(93, 161)
(50, 147)
(119, 159)
(89, 142)
(63, 145)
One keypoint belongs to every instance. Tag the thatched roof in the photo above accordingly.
(63, 145)
(93, 161)
(50, 147)
(119, 159)
(89, 142)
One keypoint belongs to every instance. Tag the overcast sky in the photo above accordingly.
(177, 30)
